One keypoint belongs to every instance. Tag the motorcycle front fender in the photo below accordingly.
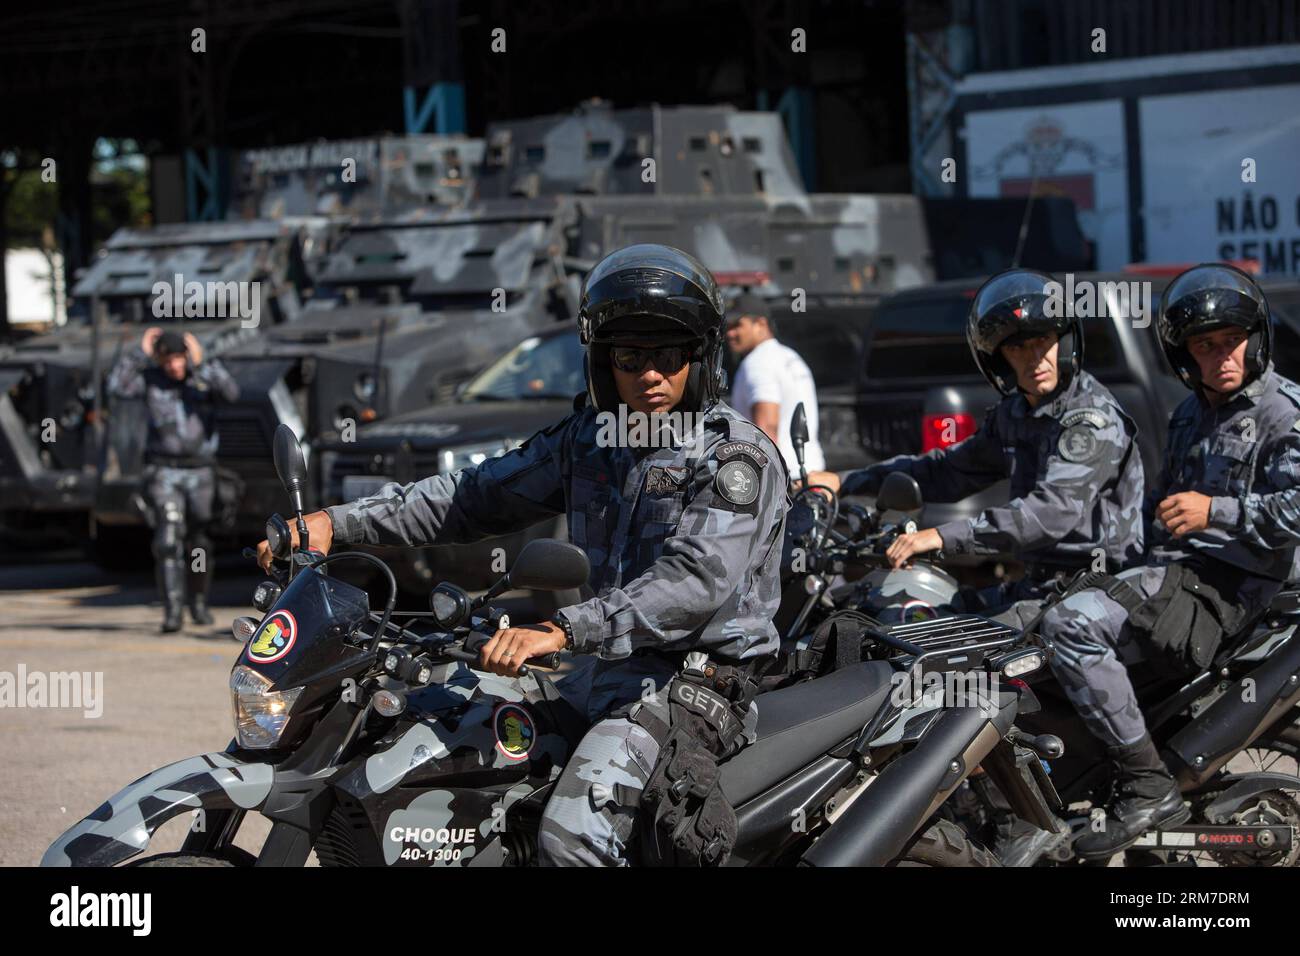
(123, 825)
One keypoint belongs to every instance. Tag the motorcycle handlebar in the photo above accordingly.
(549, 661)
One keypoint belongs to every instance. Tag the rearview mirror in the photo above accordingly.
(799, 428)
(290, 464)
(898, 492)
(549, 565)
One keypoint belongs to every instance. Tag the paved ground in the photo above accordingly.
(164, 697)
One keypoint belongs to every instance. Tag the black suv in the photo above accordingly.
(529, 388)
(917, 371)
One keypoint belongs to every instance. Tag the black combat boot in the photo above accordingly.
(200, 584)
(171, 588)
(1145, 798)
(1018, 842)
(1021, 843)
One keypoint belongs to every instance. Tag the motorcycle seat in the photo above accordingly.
(798, 724)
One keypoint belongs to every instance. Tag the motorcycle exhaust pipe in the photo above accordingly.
(1230, 724)
(876, 827)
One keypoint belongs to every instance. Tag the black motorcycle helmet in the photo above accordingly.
(650, 291)
(1013, 304)
(1208, 297)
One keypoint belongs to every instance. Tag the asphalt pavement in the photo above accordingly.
(164, 697)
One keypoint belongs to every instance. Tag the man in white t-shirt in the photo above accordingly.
(771, 381)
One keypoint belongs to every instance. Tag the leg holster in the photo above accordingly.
(1185, 621)
(685, 818)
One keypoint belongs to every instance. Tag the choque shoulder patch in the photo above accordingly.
(733, 449)
(1078, 441)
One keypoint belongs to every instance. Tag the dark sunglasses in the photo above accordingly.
(670, 359)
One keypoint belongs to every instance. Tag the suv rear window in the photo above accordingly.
(926, 338)
(920, 338)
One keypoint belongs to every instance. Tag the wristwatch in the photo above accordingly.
(563, 624)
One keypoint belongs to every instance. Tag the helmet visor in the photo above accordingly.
(1012, 304)
(1209, 297)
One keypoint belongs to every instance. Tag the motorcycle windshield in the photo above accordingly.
(302, 635)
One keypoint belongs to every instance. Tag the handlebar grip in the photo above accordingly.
(549, 661)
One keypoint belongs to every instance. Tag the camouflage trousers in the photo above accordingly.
(180, 500)
(587, 821)
(1094, 649)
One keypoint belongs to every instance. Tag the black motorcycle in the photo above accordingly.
(370, 737)
(1229, 733)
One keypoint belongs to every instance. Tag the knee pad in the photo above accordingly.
(168, 540)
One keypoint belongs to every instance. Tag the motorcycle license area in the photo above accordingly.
(447, 436)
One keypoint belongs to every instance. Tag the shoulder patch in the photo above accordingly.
(1078, 443)
(734, 449)
(738, 481)
(1083, 416)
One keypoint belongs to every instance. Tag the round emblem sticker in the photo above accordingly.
(738, 482)
(273, 639)
(515, 731)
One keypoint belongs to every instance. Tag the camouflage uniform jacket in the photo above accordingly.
(684, 540)
(1076, 480)
(1244, 454)
(180, 413)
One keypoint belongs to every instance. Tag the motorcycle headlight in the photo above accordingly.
(260, 713)
(464, 456)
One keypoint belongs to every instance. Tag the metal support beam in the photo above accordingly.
(205, 199)
(928, 80)
(445, 101)
(796, 110)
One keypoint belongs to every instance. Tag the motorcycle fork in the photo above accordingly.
(1020, 779)
(213, 832)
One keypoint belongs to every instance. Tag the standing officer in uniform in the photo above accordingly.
(1058, 434)
(684, 539)
(1226, 513)
(179, 390)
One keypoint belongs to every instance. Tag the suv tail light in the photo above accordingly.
(940, 431)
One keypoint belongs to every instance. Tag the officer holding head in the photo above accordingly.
(1059, 436)
(682, 519)
(179, 390)
(1224, 524)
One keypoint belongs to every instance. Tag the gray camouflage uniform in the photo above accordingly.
(1244, 454)
(685, 545)
(1076, 487)
(180, 452)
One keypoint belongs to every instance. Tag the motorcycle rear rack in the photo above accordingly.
(959, 642)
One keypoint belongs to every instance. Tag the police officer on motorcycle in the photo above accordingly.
(1224, 523)
(1058, 434)
(684, 534)
(179, 390)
